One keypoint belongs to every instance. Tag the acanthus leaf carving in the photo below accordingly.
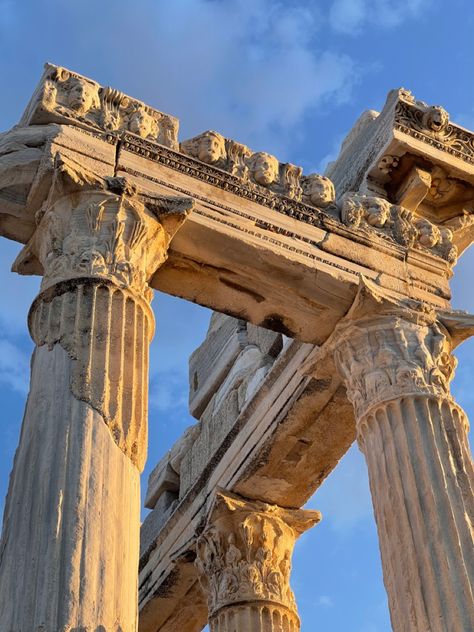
(109, 232)
(386, 349)
(244, 553)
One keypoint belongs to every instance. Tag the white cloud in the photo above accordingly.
(14, 367)
(350, 16)
(325, 601)
(252, 70)
(169, 393)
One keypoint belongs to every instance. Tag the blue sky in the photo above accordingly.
(286, 77)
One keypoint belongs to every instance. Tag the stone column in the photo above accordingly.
(70, 543)
(244, 561)
(397, 365)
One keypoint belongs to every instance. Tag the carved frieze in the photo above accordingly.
(398, 223)
(261, 169)
(431, 125)
(244, 553)
(67, 97)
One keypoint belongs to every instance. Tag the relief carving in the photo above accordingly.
(264, 168)
(111, 234)
(98, 247)
(245, 551)
(318, 190)
(66, 97)
(399, 224)
(386, 350)
(387, 164)
(260, 168)
(431, 125)
(208, 147)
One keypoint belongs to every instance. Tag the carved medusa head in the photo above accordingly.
(82, 95)
(377, 211)
(209, 147)
(318, 189)
(428, 234)
(264, 168)
(142, 123)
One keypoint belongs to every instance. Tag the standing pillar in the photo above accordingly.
(397, 365)
(244, 559)
(70, 543)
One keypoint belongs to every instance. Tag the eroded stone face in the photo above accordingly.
(264, 168)
(319, 190)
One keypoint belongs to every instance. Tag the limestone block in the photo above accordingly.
(157, 518)
(269, 342)
(211, 362)
(162, 479)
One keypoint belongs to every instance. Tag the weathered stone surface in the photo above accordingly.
(63, 96)
(281, 446)
(244, 562)
(96, 186)
(397, 365)
(64, 563)
(85, 427)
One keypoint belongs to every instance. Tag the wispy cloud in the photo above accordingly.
(252, 70)
(14, 366)
(350, 16)
(169, 393)
(325, 601)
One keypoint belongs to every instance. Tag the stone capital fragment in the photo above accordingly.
(244, 554)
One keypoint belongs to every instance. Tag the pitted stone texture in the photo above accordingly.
(63, 96)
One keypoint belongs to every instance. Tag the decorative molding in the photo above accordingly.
(431, 125)
(260, 169)
(103, 230)
(244, 553)
(224, 180)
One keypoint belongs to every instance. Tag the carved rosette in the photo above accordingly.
(244, 561)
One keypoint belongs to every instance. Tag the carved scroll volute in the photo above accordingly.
(244, 553)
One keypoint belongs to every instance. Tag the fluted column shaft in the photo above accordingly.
(70, 541)
(244, 561)
(397, 369)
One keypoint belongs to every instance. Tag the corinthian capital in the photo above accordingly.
(103, 230)
(244, 554)
(385, 349)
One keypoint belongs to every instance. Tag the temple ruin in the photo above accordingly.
(332, 323)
